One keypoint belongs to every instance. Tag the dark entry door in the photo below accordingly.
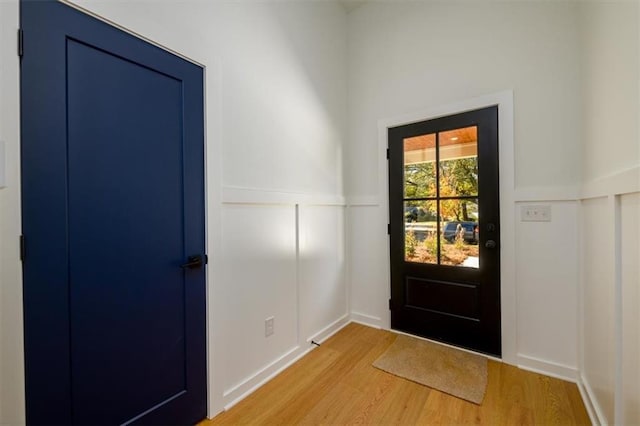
(113, 205)
(445, 230)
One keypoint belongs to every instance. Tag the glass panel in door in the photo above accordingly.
(458, 197)
(441, 203)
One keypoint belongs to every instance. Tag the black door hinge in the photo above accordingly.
(390, 305)
(21, 248)
(20, 42)
(388, 229)
(387, 153)
(206, 259)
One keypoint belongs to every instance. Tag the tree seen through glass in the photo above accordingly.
(454, 190)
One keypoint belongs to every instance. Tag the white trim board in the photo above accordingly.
(621, 182)
(615, 209)
(587, 404)
(504, 101)
(130, 32)
(548, 368)
(242, 390)
(330, 330)
(591, 402)
(242, 195)
(368, 320)
(250, 384)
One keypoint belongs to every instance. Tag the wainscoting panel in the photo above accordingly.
(258, 281)
(598, 303)
(547, 282)
(321, 267)
(630, 333)
(283, 257)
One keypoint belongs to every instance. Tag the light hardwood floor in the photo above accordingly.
(335, 384)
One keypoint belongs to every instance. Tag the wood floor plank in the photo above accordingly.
(336, 384)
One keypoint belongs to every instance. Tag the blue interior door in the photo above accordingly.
(113, 221)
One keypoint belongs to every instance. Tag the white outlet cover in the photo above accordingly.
(268, 326)
(535, 213)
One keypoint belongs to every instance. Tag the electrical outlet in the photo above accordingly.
(536, 213)
(268, 327)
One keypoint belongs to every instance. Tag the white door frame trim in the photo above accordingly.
(504, 101)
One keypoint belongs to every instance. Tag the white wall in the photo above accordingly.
(610, 332)
(610, 71)
(11, 342)
(547, 276)
(276, 104)
(599, 302)
(406, 57)
(260, 266)
(368, 269)
(284, 261)
(277, 79)
(322, 263)
(630, 275)
(610, 312)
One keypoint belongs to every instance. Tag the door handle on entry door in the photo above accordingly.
(490, 244)
(193, 262)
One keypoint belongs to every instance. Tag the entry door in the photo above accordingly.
(113, 224)
(445, 230)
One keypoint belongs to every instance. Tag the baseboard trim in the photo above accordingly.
(591, 402)
(536, 365)
(242, 390)
(588, 403)
(330, 330)
(367, 320)
(548, 368)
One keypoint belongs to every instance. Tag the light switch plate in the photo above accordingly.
(536, 213)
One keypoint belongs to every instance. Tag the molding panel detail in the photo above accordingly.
(280, 260)
(240, 195)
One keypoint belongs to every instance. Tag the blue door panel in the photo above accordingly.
(113, 204)
(125, 226)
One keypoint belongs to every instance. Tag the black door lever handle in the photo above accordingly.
(193, 262)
